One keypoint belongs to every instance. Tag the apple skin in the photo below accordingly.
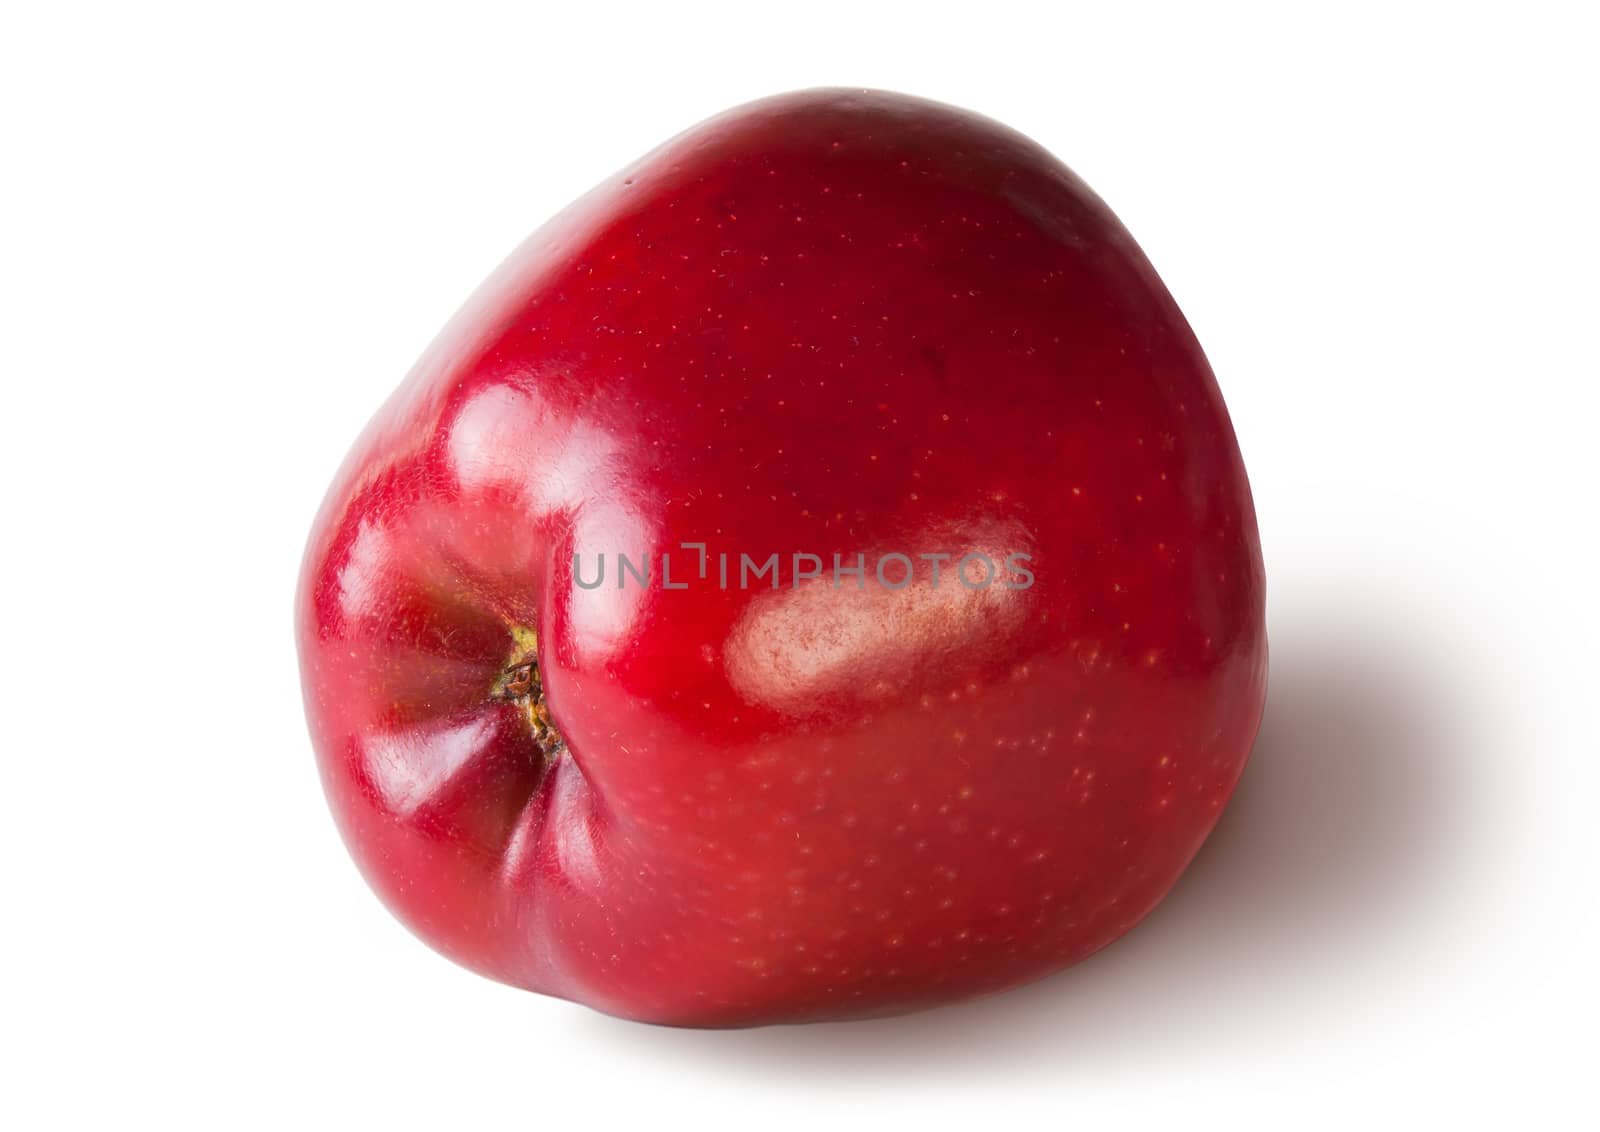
(828, 322)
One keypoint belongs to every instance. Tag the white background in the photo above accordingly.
(227, 234)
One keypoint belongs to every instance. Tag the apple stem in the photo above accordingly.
(520, 684)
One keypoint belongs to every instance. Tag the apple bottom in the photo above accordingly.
(822, 875)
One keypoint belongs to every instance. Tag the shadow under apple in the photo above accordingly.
(1322, 862)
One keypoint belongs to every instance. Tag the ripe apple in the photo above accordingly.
(815, 576)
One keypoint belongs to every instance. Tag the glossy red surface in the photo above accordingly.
(830, 323)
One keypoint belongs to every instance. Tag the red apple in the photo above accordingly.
(835, 323)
